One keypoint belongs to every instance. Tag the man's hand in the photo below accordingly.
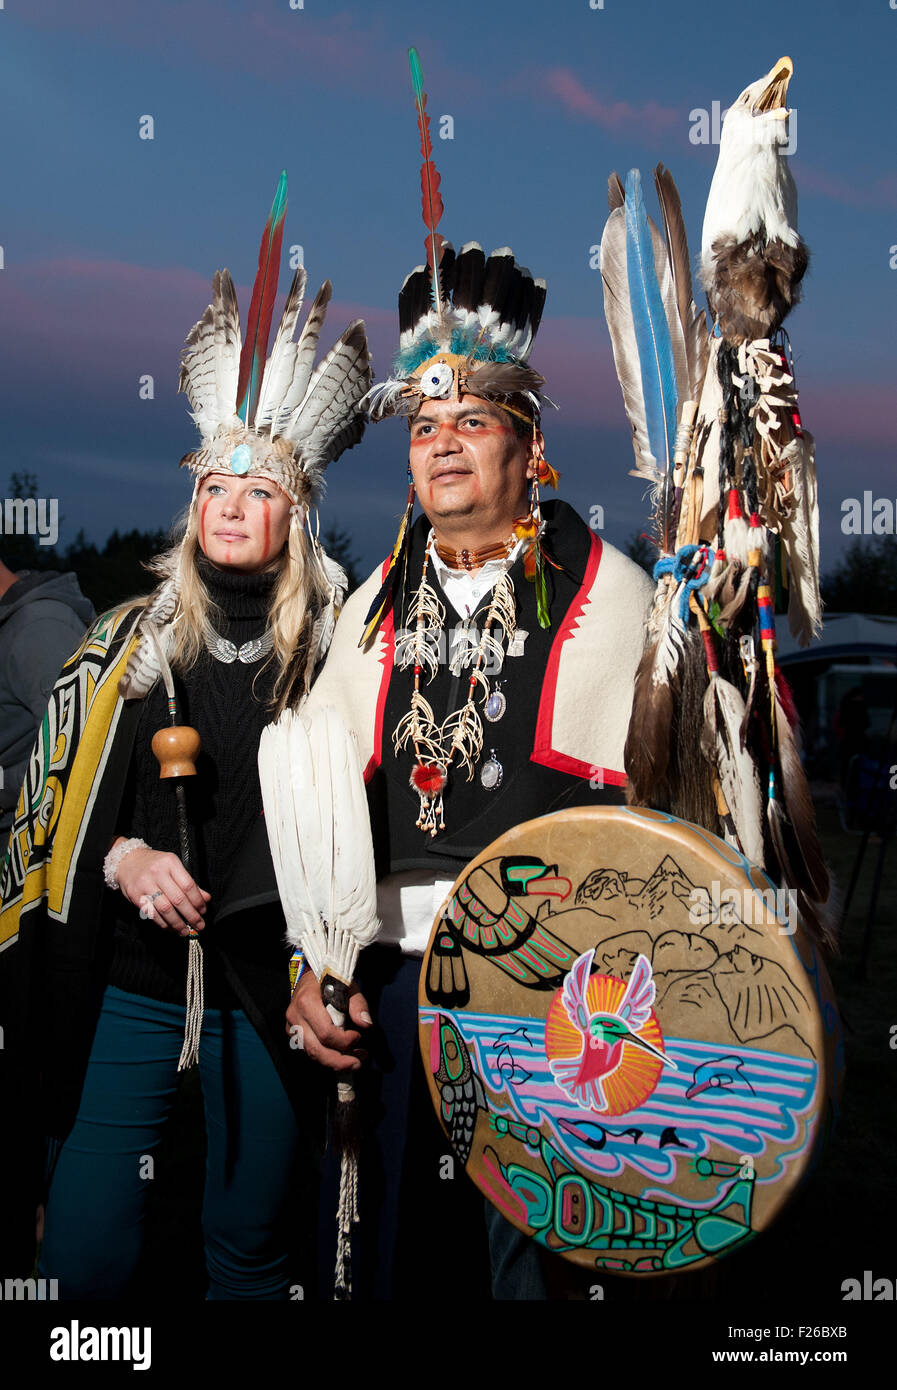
(161, 887)
(325, 1043)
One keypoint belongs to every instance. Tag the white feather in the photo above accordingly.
(210, 361)
(279, 367)
(800, 534)
(318, 825)
(721, 744)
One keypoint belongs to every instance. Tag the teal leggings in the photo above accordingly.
(102, 1174)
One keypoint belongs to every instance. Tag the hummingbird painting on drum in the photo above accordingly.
(605, 1034)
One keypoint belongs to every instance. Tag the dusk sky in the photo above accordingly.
(110, 241)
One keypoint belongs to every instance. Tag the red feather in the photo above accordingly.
(261, 308)
(431, 198)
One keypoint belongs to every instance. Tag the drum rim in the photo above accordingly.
(824, 1043)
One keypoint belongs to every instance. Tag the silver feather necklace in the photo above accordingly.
(222, 649)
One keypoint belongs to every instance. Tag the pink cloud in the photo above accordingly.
(855, 413)
(86, 329)
(210, 34)
(90, 325)
(875, 192)
(649, 118)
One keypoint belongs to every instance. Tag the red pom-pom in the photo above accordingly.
(427, 778)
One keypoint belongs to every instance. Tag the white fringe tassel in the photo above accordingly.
(346, 1219)
(195, 1000)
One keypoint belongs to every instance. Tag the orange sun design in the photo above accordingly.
(637, 1072)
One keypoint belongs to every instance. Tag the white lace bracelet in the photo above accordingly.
(114, 858)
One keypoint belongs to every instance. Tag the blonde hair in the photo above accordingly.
(301, 591)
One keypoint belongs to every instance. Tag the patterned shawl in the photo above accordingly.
(63, 779)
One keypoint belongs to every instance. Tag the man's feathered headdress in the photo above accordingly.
(284, 419)
(466, 322)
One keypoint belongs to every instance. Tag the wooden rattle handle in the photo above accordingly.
(176, 748)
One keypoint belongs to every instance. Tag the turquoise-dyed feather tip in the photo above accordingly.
(417, 73)
(464, 344)
(280, 197)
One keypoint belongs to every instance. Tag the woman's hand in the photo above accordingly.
(312, 1030)
(160, 886)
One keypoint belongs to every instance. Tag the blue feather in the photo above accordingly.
(652, 334)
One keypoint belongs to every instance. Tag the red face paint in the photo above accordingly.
(266, 522)
(202, 523)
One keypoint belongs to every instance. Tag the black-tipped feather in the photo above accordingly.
(469, 272)
(447, 270)
(498, 278)
(415, 297)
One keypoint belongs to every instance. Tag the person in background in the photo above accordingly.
(43, 616)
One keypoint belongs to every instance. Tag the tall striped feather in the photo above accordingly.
(303, 361)
(261, 308)
(429, 180)
(692, 319)
(667, 286)
(618, 313)
(652, 334)
(650, 323)
(336, 384)
(279, 367)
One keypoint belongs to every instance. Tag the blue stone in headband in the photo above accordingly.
(241, 459)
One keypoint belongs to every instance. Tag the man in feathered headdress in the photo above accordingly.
(486, 671)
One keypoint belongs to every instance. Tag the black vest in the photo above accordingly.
(475, 816)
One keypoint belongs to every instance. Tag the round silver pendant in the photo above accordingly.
(491, 774)
(495, 706)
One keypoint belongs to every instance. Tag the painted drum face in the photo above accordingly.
(629, 1038)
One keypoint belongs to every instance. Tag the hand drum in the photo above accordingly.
(629, 1038)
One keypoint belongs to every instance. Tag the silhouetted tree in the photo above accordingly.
(865, 578)
(338, 544)
(19, 551)
(117, 572)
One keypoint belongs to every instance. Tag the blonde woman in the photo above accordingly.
(97, 896)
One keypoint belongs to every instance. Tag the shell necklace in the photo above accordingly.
(460, 735)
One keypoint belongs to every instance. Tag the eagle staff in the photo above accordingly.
(736, 502)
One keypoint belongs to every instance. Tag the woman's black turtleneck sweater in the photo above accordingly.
(228, 705)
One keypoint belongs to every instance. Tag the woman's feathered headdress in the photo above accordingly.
(284, 419)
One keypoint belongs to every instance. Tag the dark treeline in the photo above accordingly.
(864, 580)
